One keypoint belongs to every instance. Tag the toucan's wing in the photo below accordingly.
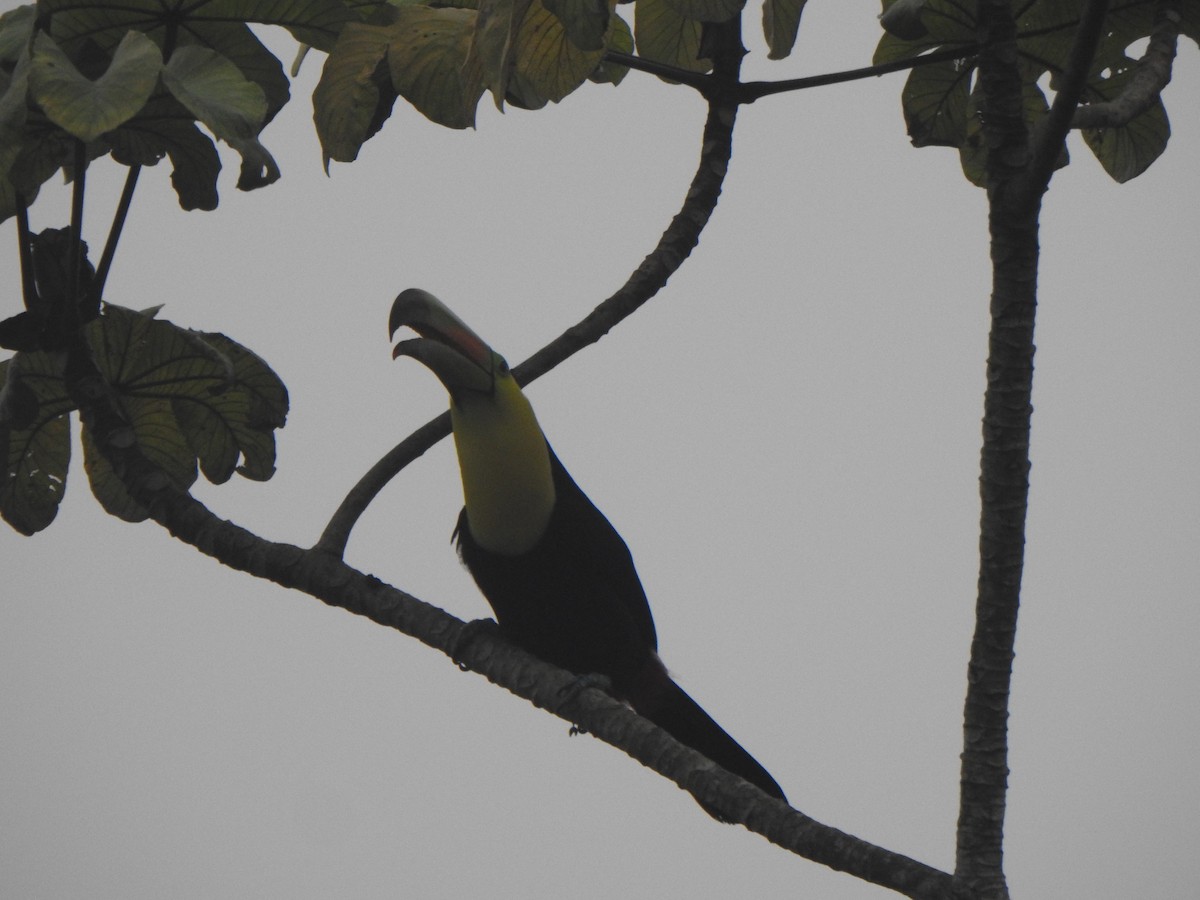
(609, 560)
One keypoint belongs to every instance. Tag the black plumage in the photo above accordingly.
(575, 600)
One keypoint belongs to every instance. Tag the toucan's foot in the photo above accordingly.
(467, 635)
(573, 688)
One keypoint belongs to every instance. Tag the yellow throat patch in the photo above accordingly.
(505, 465)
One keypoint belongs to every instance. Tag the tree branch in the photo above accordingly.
(1004, 460)
(1052, 130)
(676, 244)
(325, 576)
(752, 90)
(329, 579)
(696, 80)
(749, 91)
(1146, 86)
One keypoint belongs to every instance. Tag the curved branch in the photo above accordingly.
(1146, 86)
(675, 245)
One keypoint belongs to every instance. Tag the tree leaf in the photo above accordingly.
(214, 90)
(903, 19)
(933, 24)
(491, 57)
(781, 23)
(165, 127)
(1126, 151)
(936, 108)
(314, 22)
(80, 23)
(707, 10)
(427, 54)
(549, 65)
(232, 107)
(225, 400)
(236, 422)
(86, 108)
(620, 39)
(665, 36)
(13, 112)
(159, 438)
(191, 398)
(16, 26)
(584, 21)
(35, 440)
(354, 95)
(935, 104)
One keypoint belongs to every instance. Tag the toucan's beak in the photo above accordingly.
(459, 357)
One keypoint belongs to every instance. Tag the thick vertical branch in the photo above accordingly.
(1004, 465)
(1018, 173)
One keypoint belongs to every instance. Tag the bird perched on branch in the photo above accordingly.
(558, 576)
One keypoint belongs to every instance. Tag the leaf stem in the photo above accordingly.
(25, 254)
(114, 233)
(75, 250)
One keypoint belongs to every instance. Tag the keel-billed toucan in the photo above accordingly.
(558, 576)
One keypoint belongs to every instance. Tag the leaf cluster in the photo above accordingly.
(443, 55)
(941, 101)
(143, 80)
(192, 401)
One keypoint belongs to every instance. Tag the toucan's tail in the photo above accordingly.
(677, 713)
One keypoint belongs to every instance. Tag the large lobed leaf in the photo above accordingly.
(191, 398)
(1128, 151)
(85, 108)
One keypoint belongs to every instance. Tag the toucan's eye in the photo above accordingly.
(502, 366)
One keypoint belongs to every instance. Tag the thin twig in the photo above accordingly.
(75, 250)
(749, 91)
(752, 90)
(697, 80)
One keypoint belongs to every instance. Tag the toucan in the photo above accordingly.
(559, 578)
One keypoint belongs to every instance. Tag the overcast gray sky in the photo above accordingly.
(787, 437)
